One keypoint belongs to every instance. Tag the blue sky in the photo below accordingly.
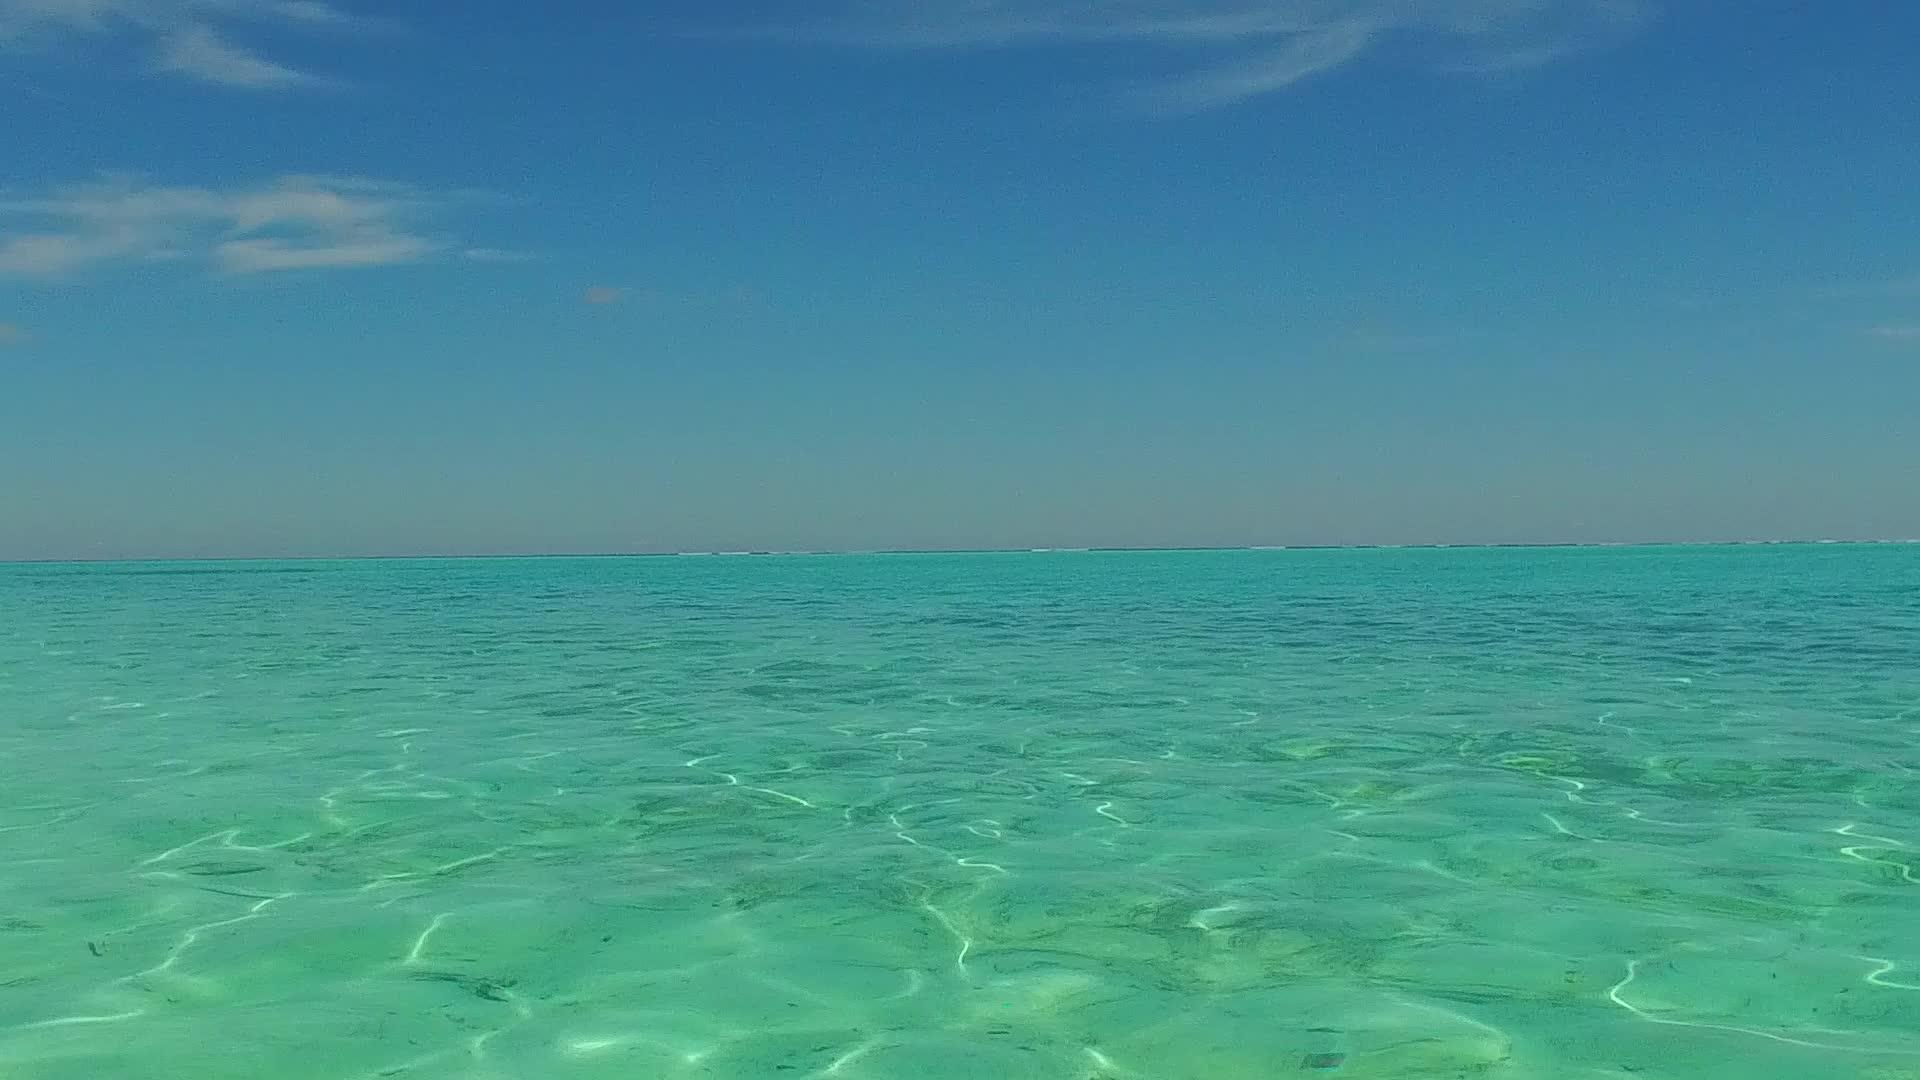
(298, 277)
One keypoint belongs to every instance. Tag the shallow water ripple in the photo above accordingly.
(1363, 815)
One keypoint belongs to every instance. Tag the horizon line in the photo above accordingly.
(859, 552)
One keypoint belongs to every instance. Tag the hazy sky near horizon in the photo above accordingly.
(330, 277)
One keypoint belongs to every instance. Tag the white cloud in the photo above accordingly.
(495, 255)
(11, 334)
(293, 223)
(604, 294)
(200, 53)
(1302, 56)
(53, 254)
(193, 39)
(1241, 49)
(259, 256)
(1899, 332)
(1848, 290)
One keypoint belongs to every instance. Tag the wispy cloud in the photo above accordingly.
(604, 294)
(200, 53)
(292, 223)
(1861, 289)
(195, 39)
(496, 255)
(1234, 50)
(1300, 56)
(11, 334)
(1908, 333)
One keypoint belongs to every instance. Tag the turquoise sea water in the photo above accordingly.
(1374, 814)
